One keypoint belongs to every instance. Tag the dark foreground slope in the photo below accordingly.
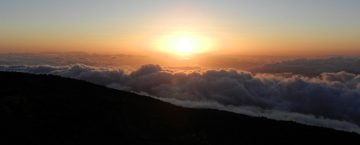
(49, 110)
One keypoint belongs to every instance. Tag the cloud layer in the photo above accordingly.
(330, 99)
(313, 67)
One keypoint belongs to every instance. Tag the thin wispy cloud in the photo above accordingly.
(312, 67)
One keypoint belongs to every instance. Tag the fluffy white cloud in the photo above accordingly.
(330, 99)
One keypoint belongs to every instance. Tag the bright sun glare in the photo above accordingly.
(184, 44)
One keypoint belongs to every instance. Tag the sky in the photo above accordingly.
(245, 56)
(244, 27)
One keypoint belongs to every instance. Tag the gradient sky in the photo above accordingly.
(248, 27)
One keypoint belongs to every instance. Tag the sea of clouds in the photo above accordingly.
(328, 100)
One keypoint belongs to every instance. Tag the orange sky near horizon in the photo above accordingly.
(143, 28)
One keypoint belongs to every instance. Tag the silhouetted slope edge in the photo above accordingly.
(41, 109)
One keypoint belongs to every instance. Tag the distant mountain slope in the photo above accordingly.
(50, 110)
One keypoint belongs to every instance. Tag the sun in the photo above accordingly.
(184, 44)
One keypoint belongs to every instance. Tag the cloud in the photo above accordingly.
(123, 60)
(329, 100)
(313, 67)
(71, 58)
